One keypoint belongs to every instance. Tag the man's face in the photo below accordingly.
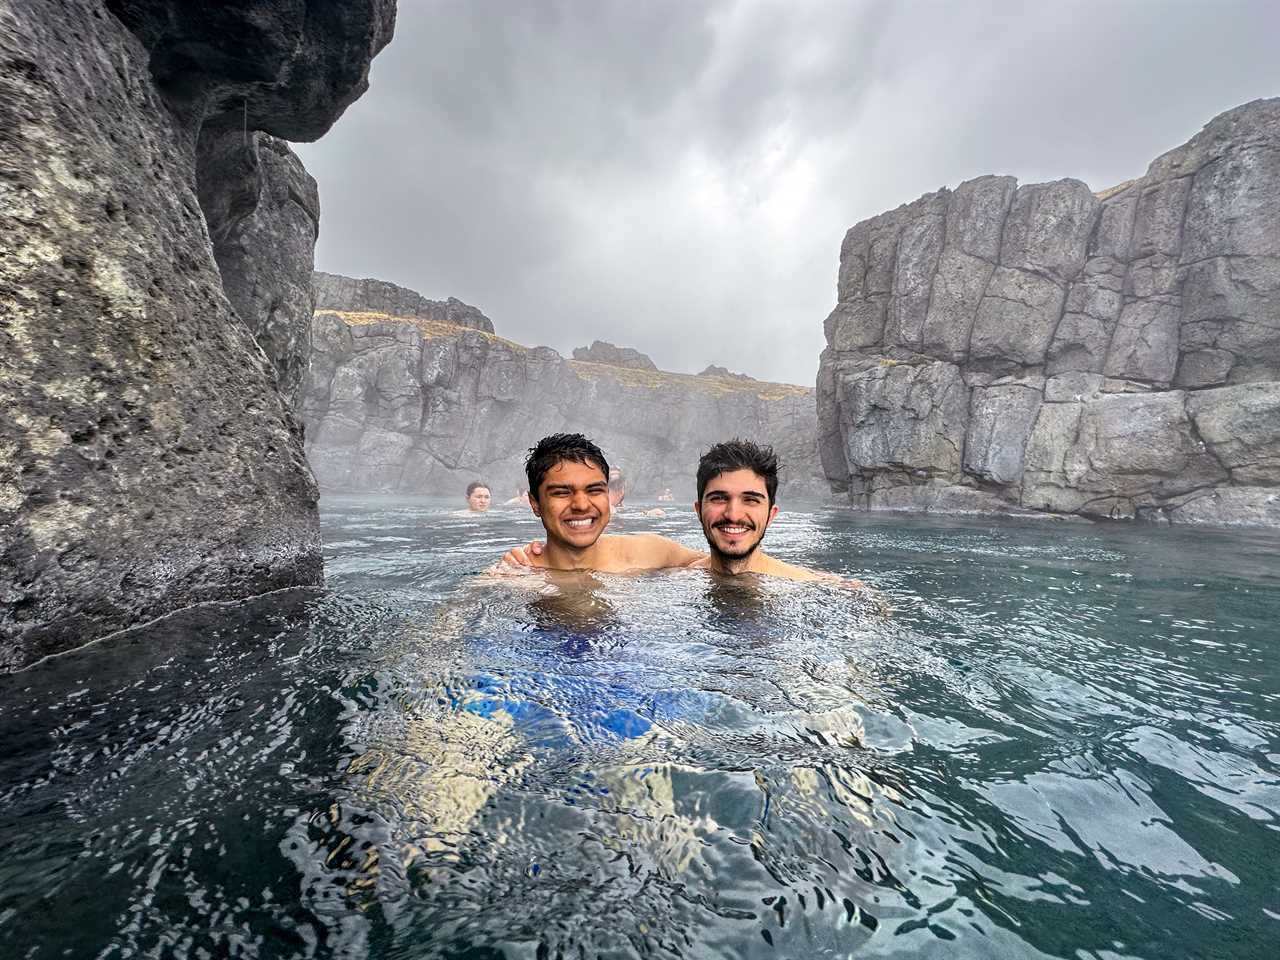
(735, 512)
(478, 499)
(573, 504)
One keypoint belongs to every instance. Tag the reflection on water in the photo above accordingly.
(1064, 743)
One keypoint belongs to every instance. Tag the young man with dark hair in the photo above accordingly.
(569, 492)
(737, 490)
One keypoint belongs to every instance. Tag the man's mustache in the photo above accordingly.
(733, 523)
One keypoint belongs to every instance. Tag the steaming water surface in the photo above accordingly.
(1064, 743)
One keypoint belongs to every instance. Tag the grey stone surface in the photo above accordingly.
(1240, 426)
(148, 459)
(1000, 422)
(1016, 319)
(602, 351)
(1113, 355)
(418, 407)
(257, 197)
(901, 421)
(333, 291)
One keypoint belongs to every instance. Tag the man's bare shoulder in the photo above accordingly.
(780, 568)
(648, 551)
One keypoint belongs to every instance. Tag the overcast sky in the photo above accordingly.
(677, 176)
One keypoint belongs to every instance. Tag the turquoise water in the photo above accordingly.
(1064, 743)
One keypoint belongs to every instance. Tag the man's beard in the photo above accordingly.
(742, 553)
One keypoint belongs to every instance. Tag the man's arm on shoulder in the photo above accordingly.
(658, 551)
(640, 551)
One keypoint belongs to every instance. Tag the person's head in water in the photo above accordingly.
(617, 488)
(478, 497)
(737, 485)
(569, 489)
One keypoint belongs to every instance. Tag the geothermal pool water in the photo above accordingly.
(1064, 743)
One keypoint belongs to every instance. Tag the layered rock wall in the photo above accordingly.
(349, 295)
(148, 458)
(426, 407)
(1002, 348)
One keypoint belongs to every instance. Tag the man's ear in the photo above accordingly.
(773, 512)
(533, 505)
(697, 508)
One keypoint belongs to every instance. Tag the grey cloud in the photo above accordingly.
(677, 176)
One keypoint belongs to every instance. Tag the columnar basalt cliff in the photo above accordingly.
(1011, 348)
(149, 456)
(422, 406)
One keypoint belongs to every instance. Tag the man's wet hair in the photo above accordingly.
(739, 455)
(476, 485)
(557, 448)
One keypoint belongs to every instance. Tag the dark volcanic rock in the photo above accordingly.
(148, 460)
(424, 407)
(287, 67)
(1002, 348)
(263, 212)
(603, 352)
(348, 295)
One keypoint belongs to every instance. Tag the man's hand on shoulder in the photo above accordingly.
(522, 557)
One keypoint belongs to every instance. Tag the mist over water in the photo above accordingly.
(1064, 743)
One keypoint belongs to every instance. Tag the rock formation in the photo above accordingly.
(257, 197)
(421, 406)
(148, 459)
(602, 351)
(723, 373)
(1002, 348)
(348, 295)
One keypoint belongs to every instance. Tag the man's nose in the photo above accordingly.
(735, 510)
(580, 502)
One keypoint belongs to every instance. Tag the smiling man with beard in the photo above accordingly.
(737, 489)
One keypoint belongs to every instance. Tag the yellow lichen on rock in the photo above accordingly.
(660, 379)
(430, 329)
